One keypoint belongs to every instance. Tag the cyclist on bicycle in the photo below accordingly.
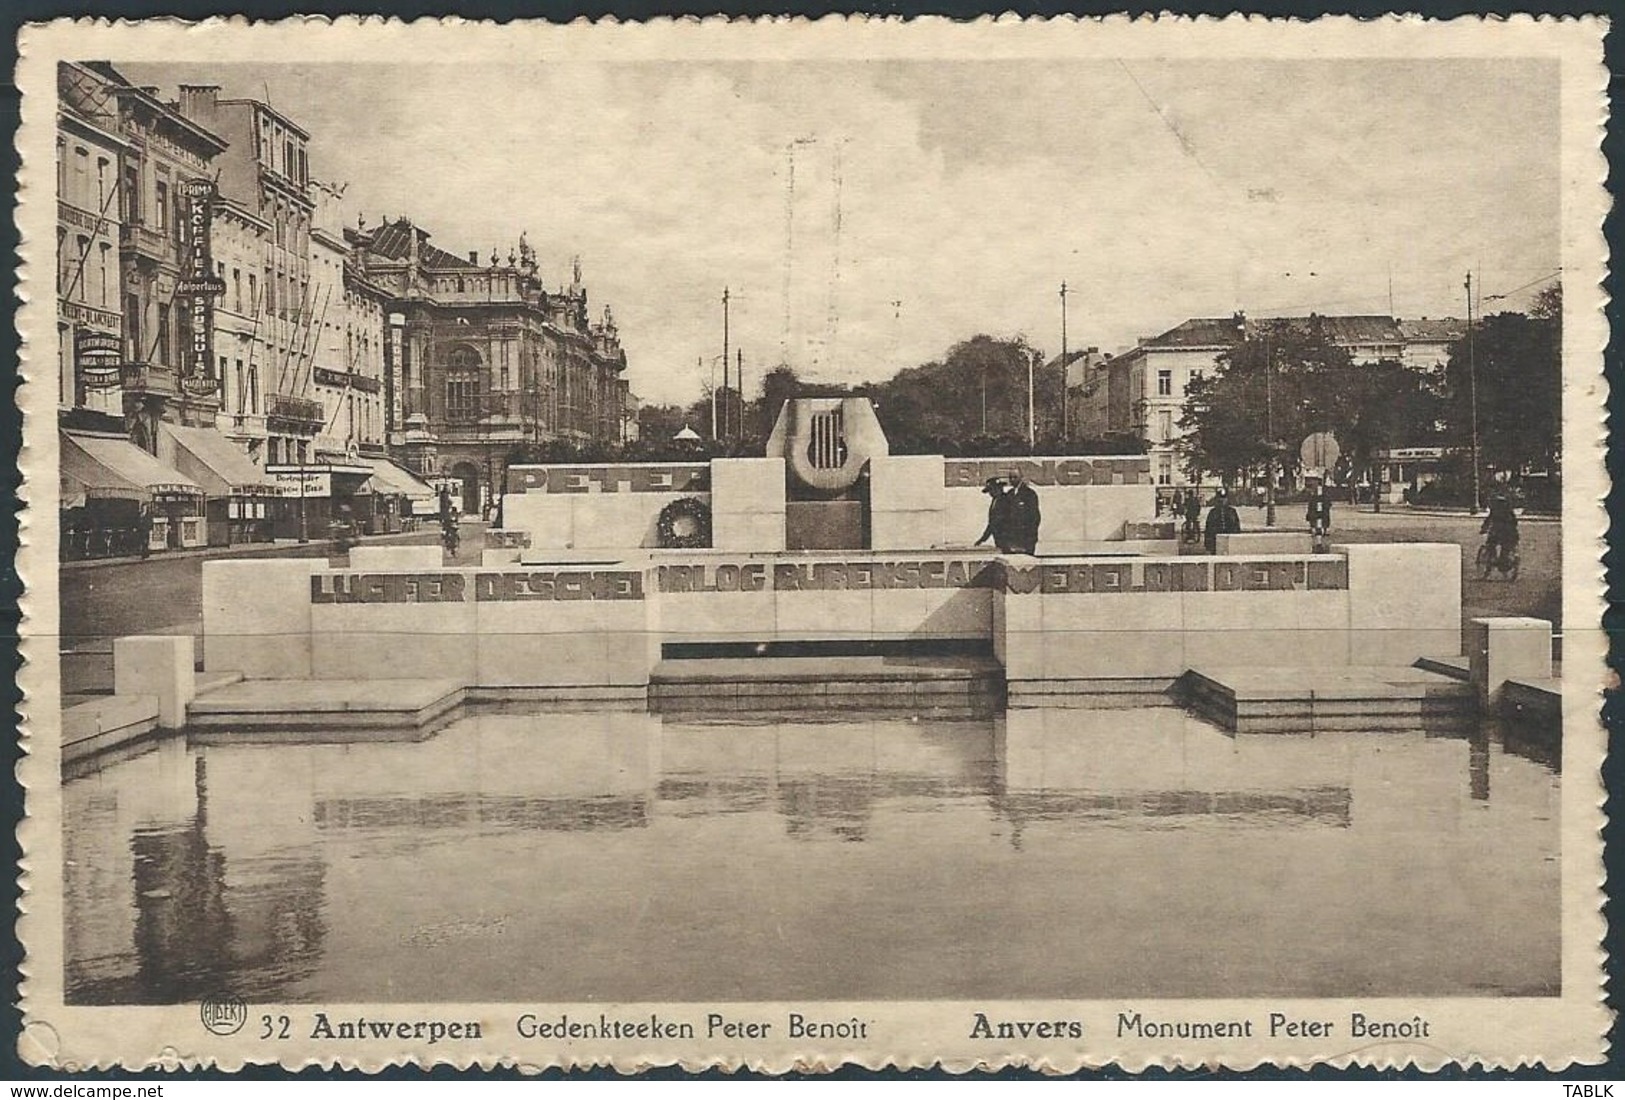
(1500, 528)
(448, 522)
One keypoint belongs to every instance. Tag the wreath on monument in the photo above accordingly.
(684, 524)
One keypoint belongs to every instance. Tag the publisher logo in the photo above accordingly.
(223, 1014)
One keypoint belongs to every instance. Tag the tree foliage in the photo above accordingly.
(1518, 362)
(978, 388)
(1287, 380)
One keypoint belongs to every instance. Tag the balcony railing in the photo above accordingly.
(148, 379)
(84, 219)
(295, 412)
(143, 241)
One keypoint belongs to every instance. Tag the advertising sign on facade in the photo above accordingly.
(97, 355)
(198, 287)
(302, 483)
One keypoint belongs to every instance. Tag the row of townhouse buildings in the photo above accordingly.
(241, 358)
(1140, 393)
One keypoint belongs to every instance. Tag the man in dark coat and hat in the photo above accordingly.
(1193, 516)
(998, 515)
(1221, 520)
(1024, 515)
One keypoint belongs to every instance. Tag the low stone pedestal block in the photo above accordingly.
(256, 616)
(1502, 649)
(397, 557)
(1264, 542)
(158, 665)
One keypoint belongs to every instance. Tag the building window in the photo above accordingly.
(1197, 374)
(237, 287)
(239, 389)
(132, 194)
(61, 170)
(162, 203)
(132, 328)
(1165, 383)
(102, 164)
(463, 385)
(253, 293)
(81, 175)
(253, 389)
(64, 262)
(105, 266)
(1165, 470)
(163, 332)
(1165, 425)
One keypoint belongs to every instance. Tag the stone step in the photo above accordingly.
(305, 705)
(106, 722)
(1455, 667)
(214, 681)
(934, 684)
(1539, 701)
(1304, 700)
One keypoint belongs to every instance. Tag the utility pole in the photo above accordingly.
(725, 414)
(1065, 371)
(701, 365)
(1472, 385)
(739, 380)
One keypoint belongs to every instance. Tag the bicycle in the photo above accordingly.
(1498, 557)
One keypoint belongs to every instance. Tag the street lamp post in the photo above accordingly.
(1065, 370)
(1472, 386)
(1269, 433)
(1032, 426)
(984, 400)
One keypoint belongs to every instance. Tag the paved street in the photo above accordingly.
(164, 595)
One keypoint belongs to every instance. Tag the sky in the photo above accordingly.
(865, 216)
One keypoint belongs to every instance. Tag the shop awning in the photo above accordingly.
(111, 467)
(217, 464)
(389, 479)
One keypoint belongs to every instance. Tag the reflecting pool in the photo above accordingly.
(616, 856)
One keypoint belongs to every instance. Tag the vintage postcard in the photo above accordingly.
(788, 544)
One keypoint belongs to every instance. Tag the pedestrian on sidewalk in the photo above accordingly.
(1319, 515)
(1222, 519)
(143, 529)
(1193, 516)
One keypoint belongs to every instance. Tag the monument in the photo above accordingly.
(833, 569)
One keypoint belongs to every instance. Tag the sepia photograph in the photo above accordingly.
(1035, 543)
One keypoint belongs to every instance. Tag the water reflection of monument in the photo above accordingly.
(189, 871)
(170, 903)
